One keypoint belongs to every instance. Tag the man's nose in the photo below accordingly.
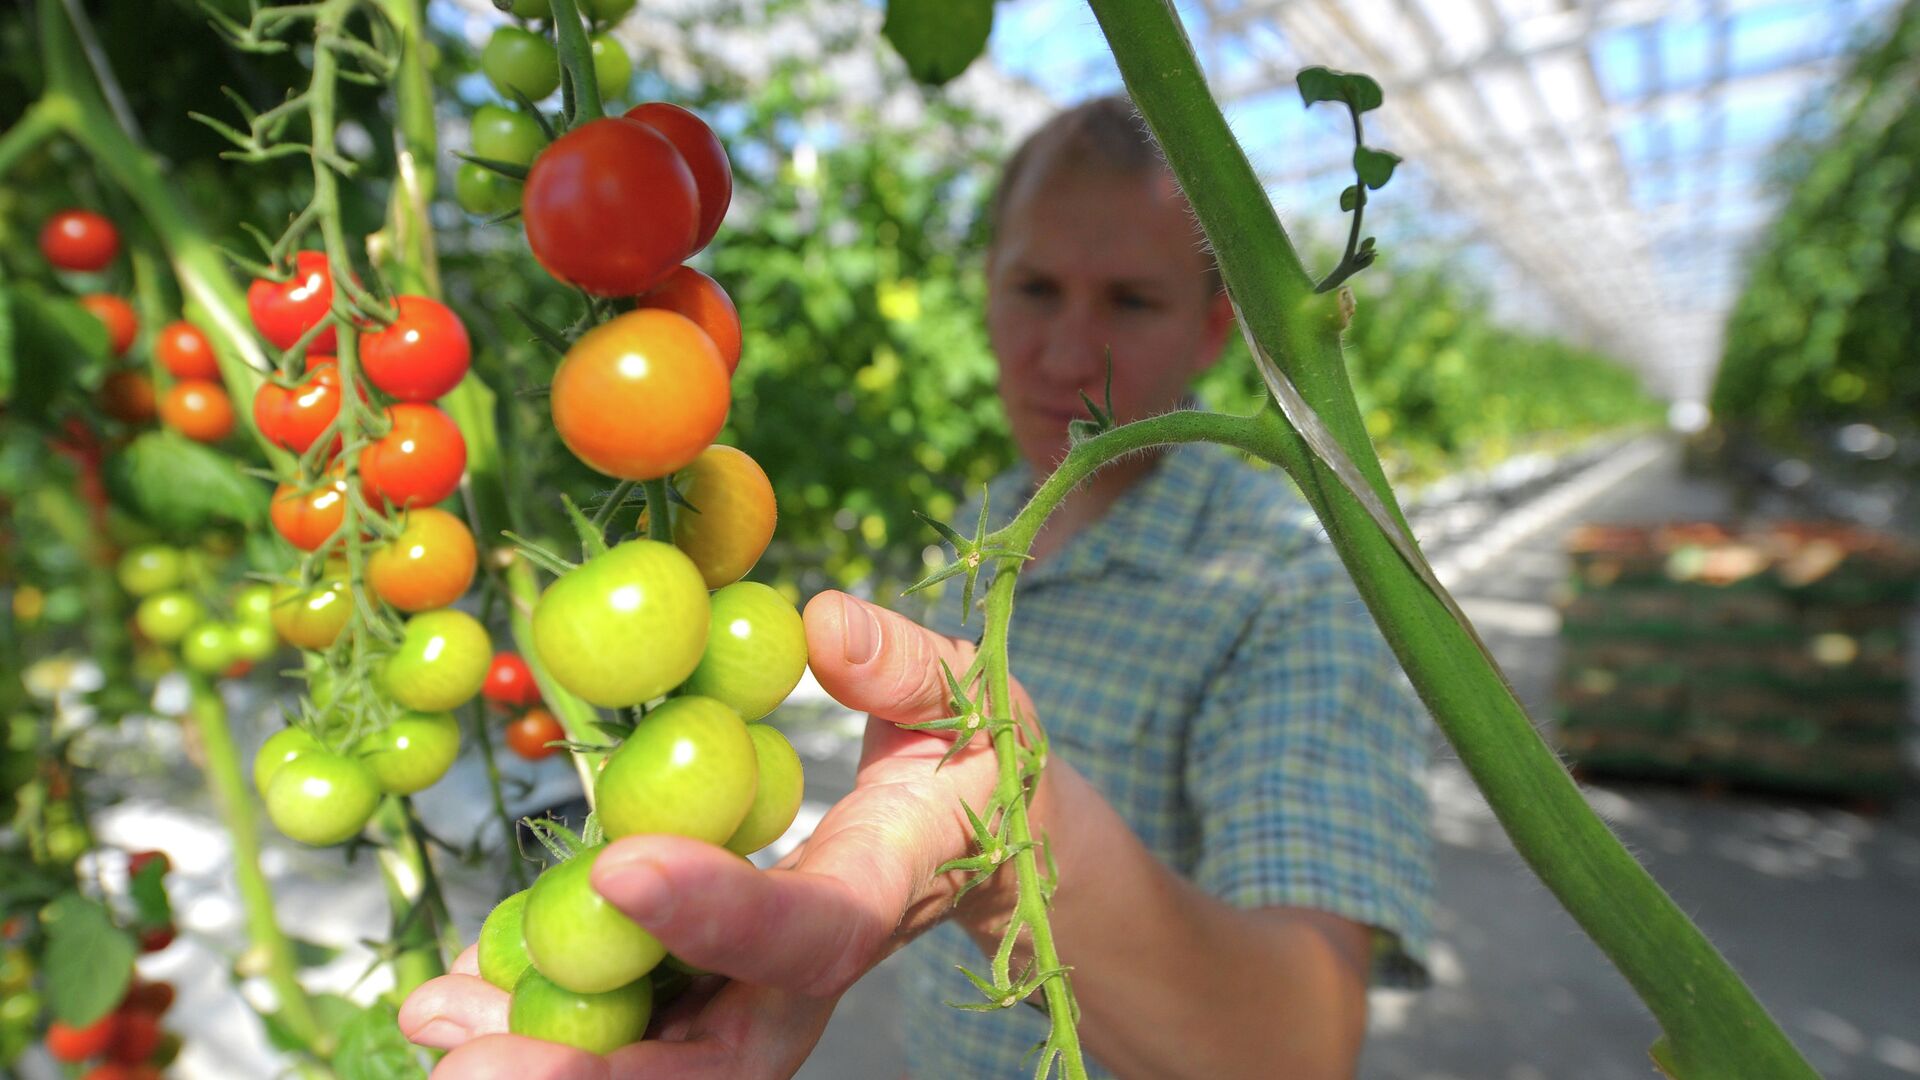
(1077, 344)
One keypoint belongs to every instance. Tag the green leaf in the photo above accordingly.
(312, 953)
(1374, 167)
(331, 1010)
(1350, 198)
(149, 893)
(938, 38)
(372, 1048)
(88, 962)
(1359, 92)
(182, 486)
(47, 345)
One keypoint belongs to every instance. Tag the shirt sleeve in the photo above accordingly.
(1306, 768)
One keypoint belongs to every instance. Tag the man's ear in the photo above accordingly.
(1219, 324)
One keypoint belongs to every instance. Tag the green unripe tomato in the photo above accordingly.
(612, 67)
(16, 970)
(19, 1009)
(482, 192)
(441, 661)
(503, 134)
(150, 568)
(165, 617)
(688, 769)
(577, 939)
(209, 648)
(322, 798)
(281, 747)
(776, 802)
(253, 641)
(626, 626)
(66, 842)
(756, 650)
(503, 953)
(520, 60)
(597, 1023)
(607, 11)
(412, 752)
(254, 604)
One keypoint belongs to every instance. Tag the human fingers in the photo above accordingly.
(743, 1032)
(511, 1057)
(877, 661)
(468, 962)
(809, 933)
(451, 1010)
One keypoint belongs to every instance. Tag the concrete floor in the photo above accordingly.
(1816, 906)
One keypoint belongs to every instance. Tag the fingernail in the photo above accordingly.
(635, 885)
(862, 630)
(441, 1033)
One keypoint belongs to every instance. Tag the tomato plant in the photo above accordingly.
(502, 134)
(419, 461)
(68, 1043)
(281, 747)
(624, 627)
(440, 662)
(777, 798)
(117, 316)
(597, 1023)
(706, 159)
(198, 409)
(150, 568)
(687, 769)
(700, 298)
(421, 355)
(296, 417)
(166, 616)
(529, 734)
(612, 68)
(183, 350)
(128, 396)
(578, 940)
(308, 517)
(611, 207)
(482, 191)
(283, 311)
(321, 797)
(208, 648)
(79, 240)
(510, 681)
(430, 564)
(648, 363)
(729, 517)
(311, 618)
(756, 650)
(502, 952)
(412, 752)
(520, 62)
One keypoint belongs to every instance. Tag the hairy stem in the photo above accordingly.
(576, 60)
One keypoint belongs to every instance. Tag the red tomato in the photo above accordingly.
(640, 395)
(153, 939)
(128, 396)
(182, 349)
(154, 998)
(510, 681)
(79, 240)
(529, 735)
(421, 355)
(78, 1044)
(283, 310)
(611, 207)
(419, 462)
(429, 565)
(309, 517)
(294, 418)
(137, 1035)
(704, 155)
(198, 409)
(118, 317)
(700, 298)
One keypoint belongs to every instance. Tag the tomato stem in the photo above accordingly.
(576, 61)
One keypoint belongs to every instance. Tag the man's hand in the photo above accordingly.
(789, 940)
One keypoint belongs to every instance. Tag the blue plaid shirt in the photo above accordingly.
(1201, 655)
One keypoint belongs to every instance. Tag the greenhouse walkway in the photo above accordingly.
(1815, 905)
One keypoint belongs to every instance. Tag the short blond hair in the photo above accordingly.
(1106, 133)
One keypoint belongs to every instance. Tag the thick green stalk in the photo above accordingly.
(1714, 1026)
(576, 60)
(274, 950)
(421, 929)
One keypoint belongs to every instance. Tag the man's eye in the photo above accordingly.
(1037, 289)
(1133, 302)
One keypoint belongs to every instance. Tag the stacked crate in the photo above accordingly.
(1773, 656)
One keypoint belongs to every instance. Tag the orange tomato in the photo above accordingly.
(182, 349)
(641, 395)
(312, 618)
(118, 317)
(198, 409)
(429, 565)
(730, 514)
(309, 517)
(700, 298)
(128, 396)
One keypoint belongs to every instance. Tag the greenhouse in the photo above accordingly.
(860, 539)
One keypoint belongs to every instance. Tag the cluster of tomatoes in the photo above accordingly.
(195, 403)
(534, 733)
(523, 66)
(315, 792)
(127, 1043)
(182, 605)
(615, 206)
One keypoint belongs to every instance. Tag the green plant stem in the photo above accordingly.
(1714, 1026)
(509, 830)
(208, 715)
(38, 124)
(576, 60)
(659, 514)
(421, 927)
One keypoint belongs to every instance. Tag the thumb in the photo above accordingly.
(876, 661)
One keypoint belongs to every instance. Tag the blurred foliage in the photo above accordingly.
(1826, 326)
(852, 251)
